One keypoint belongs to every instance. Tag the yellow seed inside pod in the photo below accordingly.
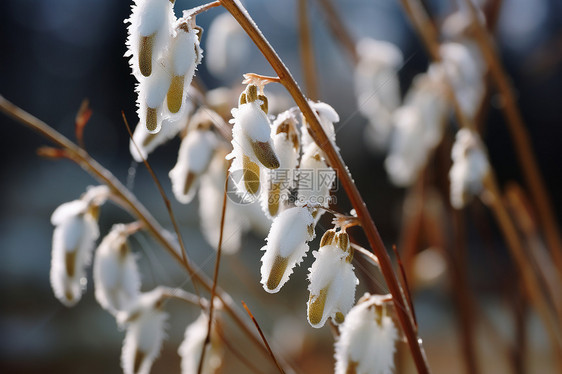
(175, 94)
(277, 270)
(316, 306)
(151, 119)
(148, 139)
(252, 93)
(273, 199)
(327, 238)
(352, 367)
(378, 314)
(310, 229)
(265, 104)
(68, 294)
(70, 261)
(342, 241)
(189, 179)
(251, 175)
(94, 211)
(243, 99)
(145, 54)
(265, 154)
(123, 250)
(139, 358)
(339, 318)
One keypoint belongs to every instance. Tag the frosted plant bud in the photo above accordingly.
(332, 280)
(465, 74)
(150, 27)
(151, 95)
(315, 180)
(76, 230)
(192, 346)
(185, 54)
(228, 46)
(251, 141)
(286, 246)
(470, 166)
(145, 332)
(367, 339)
(194, 157)
(328, 116)
(116, 276)
(278, 182)
(377, 88)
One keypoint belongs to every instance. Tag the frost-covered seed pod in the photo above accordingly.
(286, 246)
(278, 182)
(185, 54)
(316, 179)
(150, 27)
(145, 332)
(151, 95)
(192, 346)
(377, 88)
(332, 280)
(328, 116)
(470, 167)
(116, 276)
(195, 155)
(367, 339)
(76, 230)
(251, 141)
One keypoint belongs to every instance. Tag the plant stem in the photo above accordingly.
(336, 161)
(339, 30)
(307, 51)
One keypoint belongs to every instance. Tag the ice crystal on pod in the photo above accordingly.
(332, 280)
(470, 167)
(286, 246)
(328, 116)
(377, 87)
(195, 155)
(367, 339)
(116, 276)
(418, 128)
(228, 46)
(192, 346)
(145, 332)
(277, 183)
(251, 141)
(76, 230)
(150, 27)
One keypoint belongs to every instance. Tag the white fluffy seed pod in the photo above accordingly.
(286, 246)
(328, 116)
(367, 340)
(150, 28)
(277, 183)
(152, 92)
(377, 88)
(76, 230)
(116, 276)
(192, 346)
(470, 166)
(145, 324)
(194, 156)
(315, 180)
(228, 46)
(332, 281)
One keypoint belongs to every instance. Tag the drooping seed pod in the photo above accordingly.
(328, 116)
(367, 339)
(152, 92)
(251, 142)
(286, 246)
(150, 27)
(377, 88)
(470, 167)
(76, 230)
(192, 346)
(332, 280)
(116, 275)
(145, 332)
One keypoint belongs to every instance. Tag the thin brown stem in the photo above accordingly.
(263, 337)
(307, 51)
(336, 161)
(340, 31)
(520, 136)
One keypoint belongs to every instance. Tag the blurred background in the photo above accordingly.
(55, 53)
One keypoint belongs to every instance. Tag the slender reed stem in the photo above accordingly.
(336, 161)
(520, 136)
(339, 30)
(307, 51)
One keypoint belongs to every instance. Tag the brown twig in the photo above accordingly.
(336, 161)
(342, 34)
(263, 337)
(307, 51)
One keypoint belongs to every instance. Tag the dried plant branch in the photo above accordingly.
(307, 51)
(339, 30)
(336, 161)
